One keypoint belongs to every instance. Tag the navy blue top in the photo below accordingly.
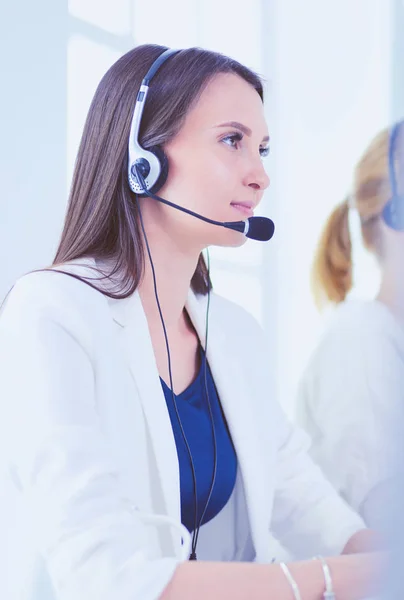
(194, 414)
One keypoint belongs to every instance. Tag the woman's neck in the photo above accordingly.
(174, 270)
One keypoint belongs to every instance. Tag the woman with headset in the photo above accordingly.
(136, 426)
(351, 393)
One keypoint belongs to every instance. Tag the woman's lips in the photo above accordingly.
(245, 209)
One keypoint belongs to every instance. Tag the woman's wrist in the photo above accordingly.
(353, 577)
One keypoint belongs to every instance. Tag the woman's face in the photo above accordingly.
(215, 164)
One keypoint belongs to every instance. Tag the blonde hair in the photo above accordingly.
(331, 276)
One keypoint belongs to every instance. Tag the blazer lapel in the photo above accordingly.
(133, 331)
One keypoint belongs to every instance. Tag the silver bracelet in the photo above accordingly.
(294, 586)
(329, 593)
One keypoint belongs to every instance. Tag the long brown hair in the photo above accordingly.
(102, 218)
(331, 276)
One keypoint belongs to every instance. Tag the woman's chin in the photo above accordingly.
(230, 239)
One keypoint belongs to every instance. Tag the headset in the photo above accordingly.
(393, 211)
(151, 164)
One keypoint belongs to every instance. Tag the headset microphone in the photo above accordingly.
(255, 228)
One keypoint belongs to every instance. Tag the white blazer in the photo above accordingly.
(88, 445)
(350, 402)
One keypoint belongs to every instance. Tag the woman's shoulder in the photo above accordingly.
(357, 365)
(358, 333)
(363, 317)
(53, 290)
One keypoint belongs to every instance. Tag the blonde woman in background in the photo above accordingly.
(354, 382)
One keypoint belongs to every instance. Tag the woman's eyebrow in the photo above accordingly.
(246, 130)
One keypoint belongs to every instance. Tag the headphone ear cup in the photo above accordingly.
(163, 160)
(393, 214)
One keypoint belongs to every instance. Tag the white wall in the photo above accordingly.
(33, 38)
(397, 100)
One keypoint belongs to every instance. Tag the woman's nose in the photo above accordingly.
(257, 177)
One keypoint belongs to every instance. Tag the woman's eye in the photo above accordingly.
(233, 139)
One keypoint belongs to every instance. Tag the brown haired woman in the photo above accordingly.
(353, 386)
(118, 453)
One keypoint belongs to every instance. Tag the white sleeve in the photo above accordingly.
(309, 517)
(94, 545)
(350, 406)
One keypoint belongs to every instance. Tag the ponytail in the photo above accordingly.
(331, 277)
